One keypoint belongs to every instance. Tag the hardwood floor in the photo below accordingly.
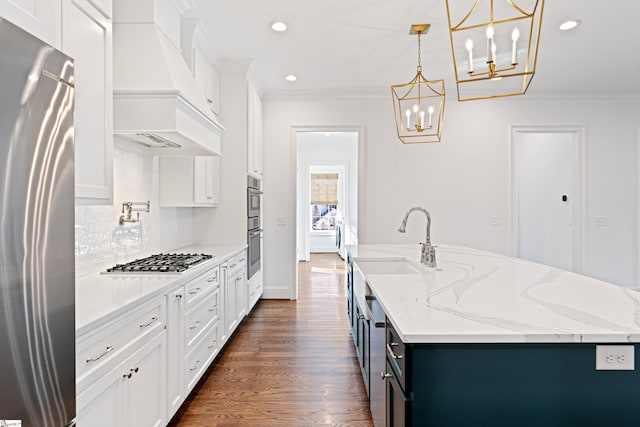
(292, 363)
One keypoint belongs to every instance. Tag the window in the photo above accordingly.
(324, 201)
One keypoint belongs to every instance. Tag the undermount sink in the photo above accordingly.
(386, 267)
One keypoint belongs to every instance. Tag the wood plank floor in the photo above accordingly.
(292, 363)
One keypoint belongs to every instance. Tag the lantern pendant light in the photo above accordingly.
(419, 105)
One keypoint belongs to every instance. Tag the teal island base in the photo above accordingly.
(509, 385)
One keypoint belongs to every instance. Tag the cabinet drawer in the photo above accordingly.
(397, 355)
(103, 344)
(200, 358)
(197, 289)
(237, 263)
(255, 291)
(200, 317)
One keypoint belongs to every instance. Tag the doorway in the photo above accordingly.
(547, 195)
(326, 191)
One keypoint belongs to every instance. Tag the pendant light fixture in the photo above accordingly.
(494, 45)
(419, 104)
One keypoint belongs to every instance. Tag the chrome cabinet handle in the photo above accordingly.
(391, 353)
(384, 375)
(179, 296)
(195, 326)
(238, 279)
(195, 291)
(213, 308)
(209, 101)
(127, 375)
(109, 349)
(153, 319)
(212, 279)
(135, 370)
(213, 343)
(195, 366)
(232, 265)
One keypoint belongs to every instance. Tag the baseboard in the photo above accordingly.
(277, 293)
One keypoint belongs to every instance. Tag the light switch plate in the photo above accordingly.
(615, 358)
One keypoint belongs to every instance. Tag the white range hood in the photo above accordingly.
(156, 101)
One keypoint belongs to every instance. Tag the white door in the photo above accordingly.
(547, 197)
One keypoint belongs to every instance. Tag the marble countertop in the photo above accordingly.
(101, 297)
(475, 296)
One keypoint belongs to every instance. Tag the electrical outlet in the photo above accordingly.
(615, 358)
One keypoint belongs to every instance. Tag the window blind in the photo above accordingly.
(324, 188)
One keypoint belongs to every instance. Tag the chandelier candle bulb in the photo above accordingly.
(415, 113)
(493, 52)
(422, 120)
(408, 113)
(490, 45)
(469, 46)
(515, 35)
(430, 116)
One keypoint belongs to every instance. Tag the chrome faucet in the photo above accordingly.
(428, 252)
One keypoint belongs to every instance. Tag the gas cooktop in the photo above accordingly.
(160, 263)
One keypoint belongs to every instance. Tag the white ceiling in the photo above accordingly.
(363, 46)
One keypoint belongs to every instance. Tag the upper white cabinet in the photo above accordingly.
(254, 133)
(190, 181)
(86, 36)
(105, 6)
(207, 78)
(39, 17)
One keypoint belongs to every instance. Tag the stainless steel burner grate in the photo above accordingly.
(160, 263)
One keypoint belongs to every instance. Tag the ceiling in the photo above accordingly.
(364, 46)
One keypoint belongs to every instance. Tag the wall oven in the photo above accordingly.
(254, 197)
(254, 232)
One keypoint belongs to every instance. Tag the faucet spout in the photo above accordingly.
(428, 253)
(403, 225)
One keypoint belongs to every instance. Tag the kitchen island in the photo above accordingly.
(489, 340)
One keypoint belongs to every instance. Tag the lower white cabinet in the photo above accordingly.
(138, 368)
(190, 181)
(255, 289)
(235, 293)
(132, 393)
(175, 350)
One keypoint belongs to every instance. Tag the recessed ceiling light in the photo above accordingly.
(569, 24)
(278, 26)
(291, 78)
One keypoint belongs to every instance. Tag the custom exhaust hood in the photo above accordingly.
(156, 101)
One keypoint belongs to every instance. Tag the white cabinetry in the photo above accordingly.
(235, 293)
(207, 78)
(121, 370)
(175, 350)
(137, 368)
(38, 17)
(190, 181)
(202, 318)
(254, 133)
(86, 37)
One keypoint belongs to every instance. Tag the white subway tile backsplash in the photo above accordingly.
(101, 242)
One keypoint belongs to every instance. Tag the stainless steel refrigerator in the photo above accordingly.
(37, 280)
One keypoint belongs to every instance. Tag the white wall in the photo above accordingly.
(463, 181)
(101, 242)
